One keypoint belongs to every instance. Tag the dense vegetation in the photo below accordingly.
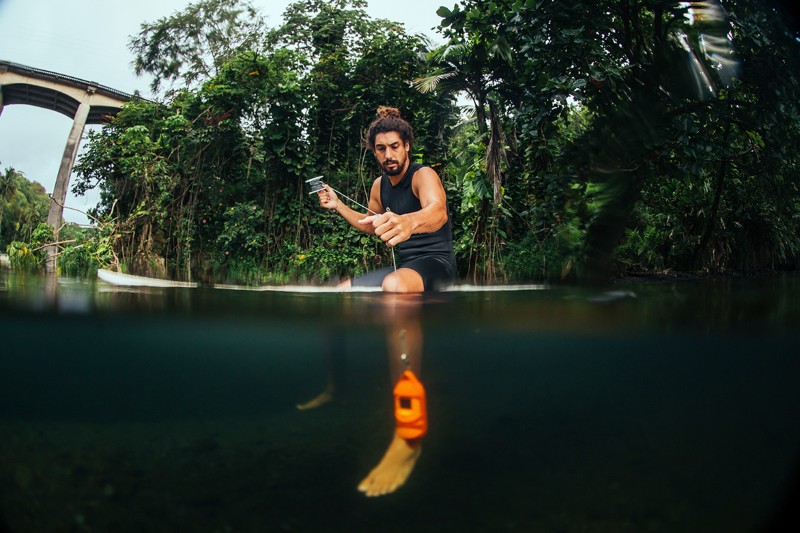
(23, 205)
(23, 210)
(631, 135)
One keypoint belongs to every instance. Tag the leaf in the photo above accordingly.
(428, 84)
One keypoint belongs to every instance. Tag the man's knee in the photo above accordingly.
(403, 280)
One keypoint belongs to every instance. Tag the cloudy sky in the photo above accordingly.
(88, 39)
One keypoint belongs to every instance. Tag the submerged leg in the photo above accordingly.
(394, 468)
(401, 456)
(334, 362)
(320, 399)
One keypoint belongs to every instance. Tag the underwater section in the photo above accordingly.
(646, 406)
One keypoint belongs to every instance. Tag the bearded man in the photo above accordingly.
(409, 211)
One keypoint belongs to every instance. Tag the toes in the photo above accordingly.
(375, 487)
(366, 485)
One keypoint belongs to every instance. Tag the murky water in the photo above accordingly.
(658, 406)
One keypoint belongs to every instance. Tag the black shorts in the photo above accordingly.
(437, 272)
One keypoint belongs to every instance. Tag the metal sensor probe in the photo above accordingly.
(315, 184)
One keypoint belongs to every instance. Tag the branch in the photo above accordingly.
(42, 247)
(62, 206)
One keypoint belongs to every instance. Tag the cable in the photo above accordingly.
(394, 261)
(340, 193)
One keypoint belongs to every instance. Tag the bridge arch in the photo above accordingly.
(85, 102)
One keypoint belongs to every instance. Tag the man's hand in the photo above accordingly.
(327, 198)
(390, 227)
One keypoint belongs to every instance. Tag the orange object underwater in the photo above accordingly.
(410, 410)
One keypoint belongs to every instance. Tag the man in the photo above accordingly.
(409, 209)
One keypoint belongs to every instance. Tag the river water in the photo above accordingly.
(647, 406)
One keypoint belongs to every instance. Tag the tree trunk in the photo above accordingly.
(722, 173)
(494, 153)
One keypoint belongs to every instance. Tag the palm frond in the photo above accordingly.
(444, 53)
(428, 84)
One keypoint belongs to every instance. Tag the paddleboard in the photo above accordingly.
(127, 280)
(316, 289)
(326, 290)
(494, 288)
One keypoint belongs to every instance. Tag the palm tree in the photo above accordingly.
(468, 68)
(8, 188)
(7, 185)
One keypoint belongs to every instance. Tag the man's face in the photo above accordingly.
(391, 152)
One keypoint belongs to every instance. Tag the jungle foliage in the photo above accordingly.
(631, 135)
(210, 182)
(600, 137)
(23, 207)
(24, 233)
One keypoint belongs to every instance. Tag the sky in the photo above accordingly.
(88, 39)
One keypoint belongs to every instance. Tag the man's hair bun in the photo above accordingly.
(389, 119)
(386, 111)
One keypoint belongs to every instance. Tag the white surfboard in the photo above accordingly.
(316, 289)
(127, 280)
(494, 288)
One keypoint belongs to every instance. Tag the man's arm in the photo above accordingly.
(330, 200)
(394, 229)
(427, 186)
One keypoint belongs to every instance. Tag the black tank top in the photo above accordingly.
(400, 199)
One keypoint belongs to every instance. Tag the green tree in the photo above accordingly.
(727, 199)
(23, 206)
(620, 68)
(193, 44)
(587, 130)
(250, 135)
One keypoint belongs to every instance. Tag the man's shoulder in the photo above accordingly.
(425, 172)
(416, 167)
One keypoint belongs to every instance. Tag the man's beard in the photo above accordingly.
(393, 171)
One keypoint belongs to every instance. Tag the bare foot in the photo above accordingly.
(394, 469)
(318, 401)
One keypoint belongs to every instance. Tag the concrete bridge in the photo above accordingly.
(85, 102)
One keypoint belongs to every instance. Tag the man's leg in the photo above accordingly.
(397, 463)
(333, 342)
(373, 278)
(403, 280)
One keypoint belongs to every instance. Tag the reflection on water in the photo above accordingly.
(656, 406)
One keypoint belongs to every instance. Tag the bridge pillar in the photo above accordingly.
(55, 217)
